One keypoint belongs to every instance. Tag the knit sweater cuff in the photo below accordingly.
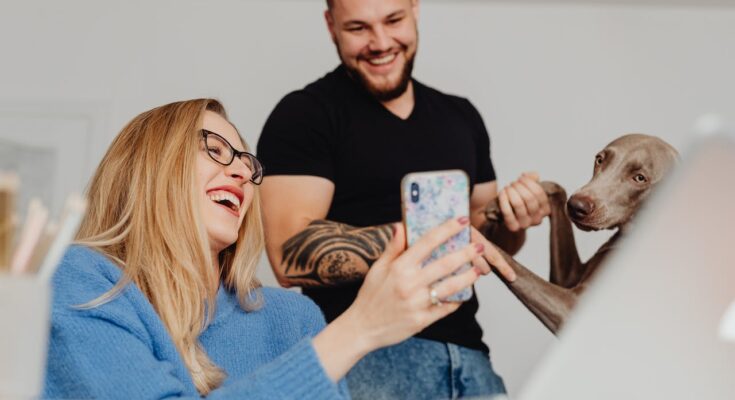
(304, 376)
(295, 374)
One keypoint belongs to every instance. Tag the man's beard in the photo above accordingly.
(389, 93)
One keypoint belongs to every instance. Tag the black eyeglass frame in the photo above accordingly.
(235, 153)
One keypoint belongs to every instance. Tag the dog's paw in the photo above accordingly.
(552, 188)
(492, 211)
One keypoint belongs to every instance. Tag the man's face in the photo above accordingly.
(376, 41)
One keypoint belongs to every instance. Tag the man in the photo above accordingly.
(335, 153)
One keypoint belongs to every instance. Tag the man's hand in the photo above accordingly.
(523, 202)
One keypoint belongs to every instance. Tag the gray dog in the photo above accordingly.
(625, 172)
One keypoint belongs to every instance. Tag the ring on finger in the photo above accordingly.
(434, 297)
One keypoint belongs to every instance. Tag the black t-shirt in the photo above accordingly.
(335, 129)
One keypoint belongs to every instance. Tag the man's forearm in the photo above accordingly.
(328, 253)
(496, 232)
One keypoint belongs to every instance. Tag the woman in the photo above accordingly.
(161, 300)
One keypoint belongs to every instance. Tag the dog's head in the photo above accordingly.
(624, 173)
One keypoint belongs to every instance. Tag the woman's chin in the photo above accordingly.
(219, 240)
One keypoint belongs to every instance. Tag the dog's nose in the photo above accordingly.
(580, 206)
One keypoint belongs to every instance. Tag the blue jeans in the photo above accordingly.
(424, 369)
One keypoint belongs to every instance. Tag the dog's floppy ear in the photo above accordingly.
(672, 153)
(669, 156)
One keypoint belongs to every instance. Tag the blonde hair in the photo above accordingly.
(144, 215)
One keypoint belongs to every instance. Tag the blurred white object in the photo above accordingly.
(727, 325)
(712, 124)
(24, 312)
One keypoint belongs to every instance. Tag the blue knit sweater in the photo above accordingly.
(122, 349)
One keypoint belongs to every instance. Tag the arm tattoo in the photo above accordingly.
(328, 253)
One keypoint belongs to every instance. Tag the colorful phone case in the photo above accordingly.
(431, 198)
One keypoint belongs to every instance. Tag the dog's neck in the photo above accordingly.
(625, 227)
(611, 243)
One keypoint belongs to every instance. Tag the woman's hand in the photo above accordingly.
(492, 256)
(395, 301)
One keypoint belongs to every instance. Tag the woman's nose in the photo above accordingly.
(239, 170)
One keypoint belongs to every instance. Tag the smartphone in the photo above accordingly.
(428, 200)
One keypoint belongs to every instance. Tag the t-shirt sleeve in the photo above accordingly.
(485, 169)
(297, 138)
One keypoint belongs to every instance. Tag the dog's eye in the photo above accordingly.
(598, 160)
(640, 178)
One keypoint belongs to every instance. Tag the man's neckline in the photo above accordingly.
(413, 87)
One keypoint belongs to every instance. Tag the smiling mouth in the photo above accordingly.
(225, 199)
(381, 61)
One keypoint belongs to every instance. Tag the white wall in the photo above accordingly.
(554, 82)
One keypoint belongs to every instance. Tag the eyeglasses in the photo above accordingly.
(221, 151)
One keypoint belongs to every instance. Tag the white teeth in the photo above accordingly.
(222, 195)
(382, 60)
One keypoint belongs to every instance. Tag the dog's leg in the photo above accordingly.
(550, 303)
(566, 268)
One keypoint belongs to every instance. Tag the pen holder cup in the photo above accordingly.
(24, 311)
